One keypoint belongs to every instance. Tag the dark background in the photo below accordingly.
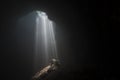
(87, 37)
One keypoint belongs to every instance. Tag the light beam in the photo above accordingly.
(45, 43)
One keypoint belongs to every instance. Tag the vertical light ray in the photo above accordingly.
(53, 41)
(45, 38)
(36, 42)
